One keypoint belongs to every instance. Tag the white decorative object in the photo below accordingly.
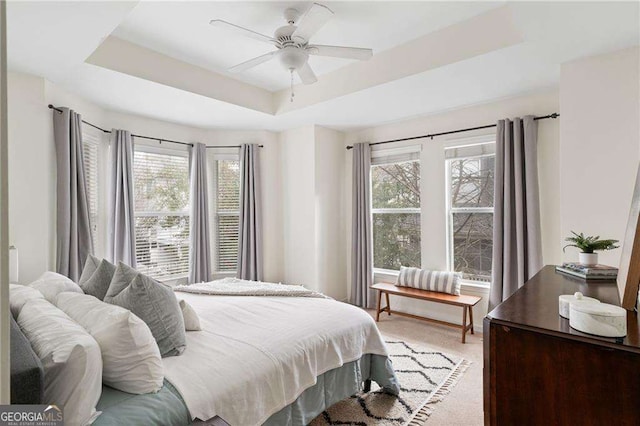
(566, 299)
(600, 319)
(588, 259)
(13, 264)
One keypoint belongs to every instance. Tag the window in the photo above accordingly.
(227, 214)
(395, 195)
(91, 147)
(161, 187)
(470, 172)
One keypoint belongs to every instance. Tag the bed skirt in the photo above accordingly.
(167, 406)
(334, 386)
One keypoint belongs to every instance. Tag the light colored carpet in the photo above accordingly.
(463, 406)
(425, 376)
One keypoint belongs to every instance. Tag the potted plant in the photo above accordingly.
(588, 247)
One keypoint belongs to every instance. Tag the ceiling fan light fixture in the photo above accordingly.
(292, 58)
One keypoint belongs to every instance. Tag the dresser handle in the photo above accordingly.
(505, 328)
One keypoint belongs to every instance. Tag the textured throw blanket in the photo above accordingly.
(238, 287)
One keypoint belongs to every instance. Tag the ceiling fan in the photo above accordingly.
(292, 43)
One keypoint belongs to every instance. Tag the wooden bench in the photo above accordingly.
(465, 301)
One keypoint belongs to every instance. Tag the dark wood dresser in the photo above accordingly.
(540, 371)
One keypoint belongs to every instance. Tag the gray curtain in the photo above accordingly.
(250, 227)
(74, 242)
(361, 232)
(121, 225)
(199, 248)
(517, 253)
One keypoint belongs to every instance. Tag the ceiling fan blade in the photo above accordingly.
(245, 32)
(340, 52)
(312, 21)
(253, 62)
(306, 74)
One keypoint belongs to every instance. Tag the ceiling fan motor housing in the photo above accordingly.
(283, 35)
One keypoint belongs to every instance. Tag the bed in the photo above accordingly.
(261, 360)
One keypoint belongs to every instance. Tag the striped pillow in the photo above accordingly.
(440, 281)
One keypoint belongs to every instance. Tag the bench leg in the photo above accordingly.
(378, 309)
(464, 323)
(367, 386)
(471, 317)
(388, 304)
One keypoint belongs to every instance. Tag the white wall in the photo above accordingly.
(32, 174)
(329, 208)
(314, 225)
(600, 134)
(298, 177)
(433, 220)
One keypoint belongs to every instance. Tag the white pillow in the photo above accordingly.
(130, 355)
(70, 357)
(191, 320)
(19, 295)
(51, 283)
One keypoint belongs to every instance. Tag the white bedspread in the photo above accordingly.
(256, 355)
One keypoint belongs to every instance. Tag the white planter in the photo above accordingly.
(588, 259)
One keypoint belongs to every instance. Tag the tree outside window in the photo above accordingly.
(396, 215)
(470, 207)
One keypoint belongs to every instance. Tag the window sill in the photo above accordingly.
(476, 284)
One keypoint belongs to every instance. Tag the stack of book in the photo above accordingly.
(592, 272)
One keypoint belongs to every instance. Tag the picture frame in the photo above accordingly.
(629, 270)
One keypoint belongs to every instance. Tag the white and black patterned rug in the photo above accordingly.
(425, 377)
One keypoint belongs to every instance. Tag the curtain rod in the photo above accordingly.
(149, 137)
(488, 126)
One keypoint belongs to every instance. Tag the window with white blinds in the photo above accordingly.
(227, 213)
(161, 188)
(91, 147)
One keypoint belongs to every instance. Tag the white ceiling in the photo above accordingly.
(54, 40)
(182, 31)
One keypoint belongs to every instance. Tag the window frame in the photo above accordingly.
(388, 153)
(450, 210)
(159, 150)
(214, 214)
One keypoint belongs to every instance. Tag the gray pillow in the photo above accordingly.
(96, 277)
(157, 306)
(90, 266)
(122, 277)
